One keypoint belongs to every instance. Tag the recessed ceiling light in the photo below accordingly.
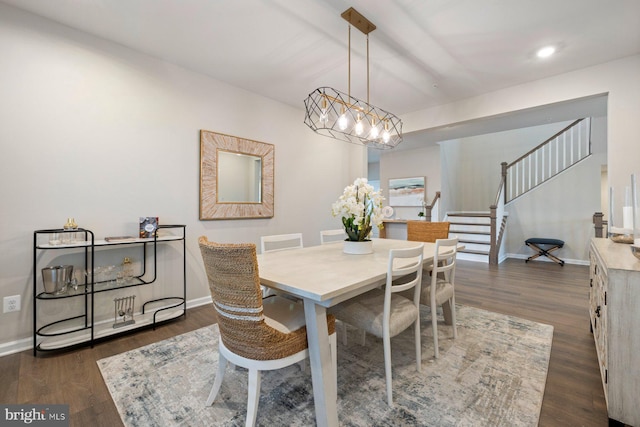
(546, 51)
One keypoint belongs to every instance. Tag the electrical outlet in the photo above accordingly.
(11, 303)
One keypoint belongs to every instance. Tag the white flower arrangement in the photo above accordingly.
(361, 209)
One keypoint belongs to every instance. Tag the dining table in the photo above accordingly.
(323, 276)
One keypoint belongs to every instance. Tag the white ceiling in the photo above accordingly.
(423, 52)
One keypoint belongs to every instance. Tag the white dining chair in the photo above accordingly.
(256, 334)
(438, 289)
(336, 236)
(280, 242)
(332, 236)
(383, 312)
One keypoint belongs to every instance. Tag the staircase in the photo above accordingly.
(474, 232)
(481, 232)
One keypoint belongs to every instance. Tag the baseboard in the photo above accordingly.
(199, 301)
(23, 344)
(16, 346)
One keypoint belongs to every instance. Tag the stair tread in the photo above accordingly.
(470, 214)
(473, 251)
(475, 242)
(479, 224)
(484, 233)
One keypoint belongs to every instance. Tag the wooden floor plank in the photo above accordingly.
(539, 291)
(547, 293)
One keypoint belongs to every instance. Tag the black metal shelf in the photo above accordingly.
(81, 330)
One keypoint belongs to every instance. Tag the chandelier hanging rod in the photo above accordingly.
(355, 18)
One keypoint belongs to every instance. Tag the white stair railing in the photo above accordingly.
(563, 150)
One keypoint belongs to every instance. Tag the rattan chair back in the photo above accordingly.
(424, 231)
(234, 282)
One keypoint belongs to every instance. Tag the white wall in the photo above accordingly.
(562, 208)
(99, 132)
(619, 79)
(409, 163)
(477, 171)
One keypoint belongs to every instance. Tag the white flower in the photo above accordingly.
(361, 209)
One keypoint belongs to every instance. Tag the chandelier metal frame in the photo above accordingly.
(335, 114)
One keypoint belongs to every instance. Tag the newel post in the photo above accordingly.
(598, 223)
(504, 166)
(429, 208)
(427, 211)
(493, 250)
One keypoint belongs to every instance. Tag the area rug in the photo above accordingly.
(493, 374)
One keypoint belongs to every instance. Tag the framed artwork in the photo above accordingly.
(236, 177)
(407, 191)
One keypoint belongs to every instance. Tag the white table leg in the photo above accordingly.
(324, 393)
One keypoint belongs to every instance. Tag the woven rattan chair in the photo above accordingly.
(424, 231)
(383, 312)
(256, 334)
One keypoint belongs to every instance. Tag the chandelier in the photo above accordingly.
(339, 115)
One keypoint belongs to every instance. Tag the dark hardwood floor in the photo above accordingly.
(539, 291)
(548, 293)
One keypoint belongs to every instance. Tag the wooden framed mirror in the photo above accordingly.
(236, 177)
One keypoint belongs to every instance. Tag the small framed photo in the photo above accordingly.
(407, 191)
(148, 226)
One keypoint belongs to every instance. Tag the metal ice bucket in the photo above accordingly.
(56, 278)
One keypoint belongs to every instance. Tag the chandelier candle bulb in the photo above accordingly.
(343, 122)
(373, 134)
(359, 125)
(324, 116)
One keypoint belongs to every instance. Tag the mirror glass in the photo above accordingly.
(239, 178)
(236, 177)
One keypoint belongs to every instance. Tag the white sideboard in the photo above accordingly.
(614, 296)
